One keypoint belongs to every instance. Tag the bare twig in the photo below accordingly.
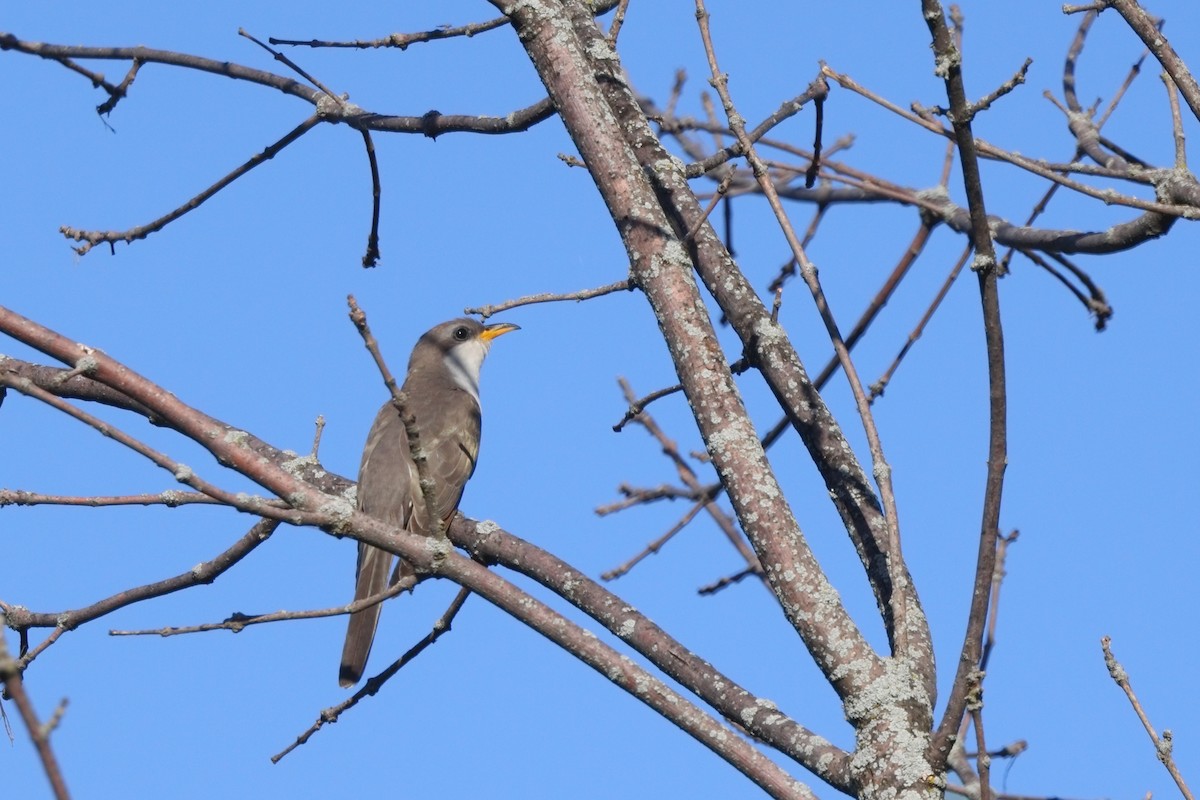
(401, 40)
(204, 573)
(717, 197)
(550, 297)
(170, 498)
(1095, 303)
(984, 103)
(728, 580)
(266, 507)
(998, 575)
(92, 238)
(319, 429)
(704, 495)
(294, 67)
(1176, 123)
(371, 256)
(119, 91)
(983, 760)
(617, 21)
(987, 150)
(1162, 744)
(238, 622)
(818, 88)
(330, 715)
(39, 732)
(639, 405)
(1152, 36)
(878, 387)
(437, 525)
(636, 497)
(654, 546)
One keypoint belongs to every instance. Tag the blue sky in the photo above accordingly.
(239, 309)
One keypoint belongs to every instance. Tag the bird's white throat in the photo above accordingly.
(464, 361)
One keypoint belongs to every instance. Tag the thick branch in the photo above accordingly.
(759, 716)
(948, 60)
(336, 515)
(432, 124)
(662, 267)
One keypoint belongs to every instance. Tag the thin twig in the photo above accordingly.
(814, 166)
(371, 256)
(320, 428)
(1096, 304)
(617, 21)
(39, 732)
(636, 497)
(292, 65)
(705, 495)
(120, 91)
(987, 150)
(1149, 31)
(263, 506)
(204, 573)
(994, 605)
(983, 760)
(1176, 123)
(400, 400)
(403, 40)
(170, 498)
(92, 238)
(717, 197)
(330, 715)
(728, 580)
(1162, 745)
(625, 285)
(878, 387)
(653, 547)
(400, 40)
(238, 622)
(639, 405)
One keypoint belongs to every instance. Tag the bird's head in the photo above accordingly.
(457, 347)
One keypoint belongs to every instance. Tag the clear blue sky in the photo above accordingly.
(239, 309)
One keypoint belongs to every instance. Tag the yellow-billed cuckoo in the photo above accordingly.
(442, 386)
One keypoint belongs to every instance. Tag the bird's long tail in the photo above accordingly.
(372, 578)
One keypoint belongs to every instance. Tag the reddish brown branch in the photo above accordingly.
(22, 619)
(39, 733)
(758, 716)
(335, 515)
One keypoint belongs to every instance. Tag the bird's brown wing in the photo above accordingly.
(452, 454)
(387, 488)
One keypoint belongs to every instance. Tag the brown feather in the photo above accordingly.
(448, 424)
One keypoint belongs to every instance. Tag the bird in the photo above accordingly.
(442, 386)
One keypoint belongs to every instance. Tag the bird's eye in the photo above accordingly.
(460, 333)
